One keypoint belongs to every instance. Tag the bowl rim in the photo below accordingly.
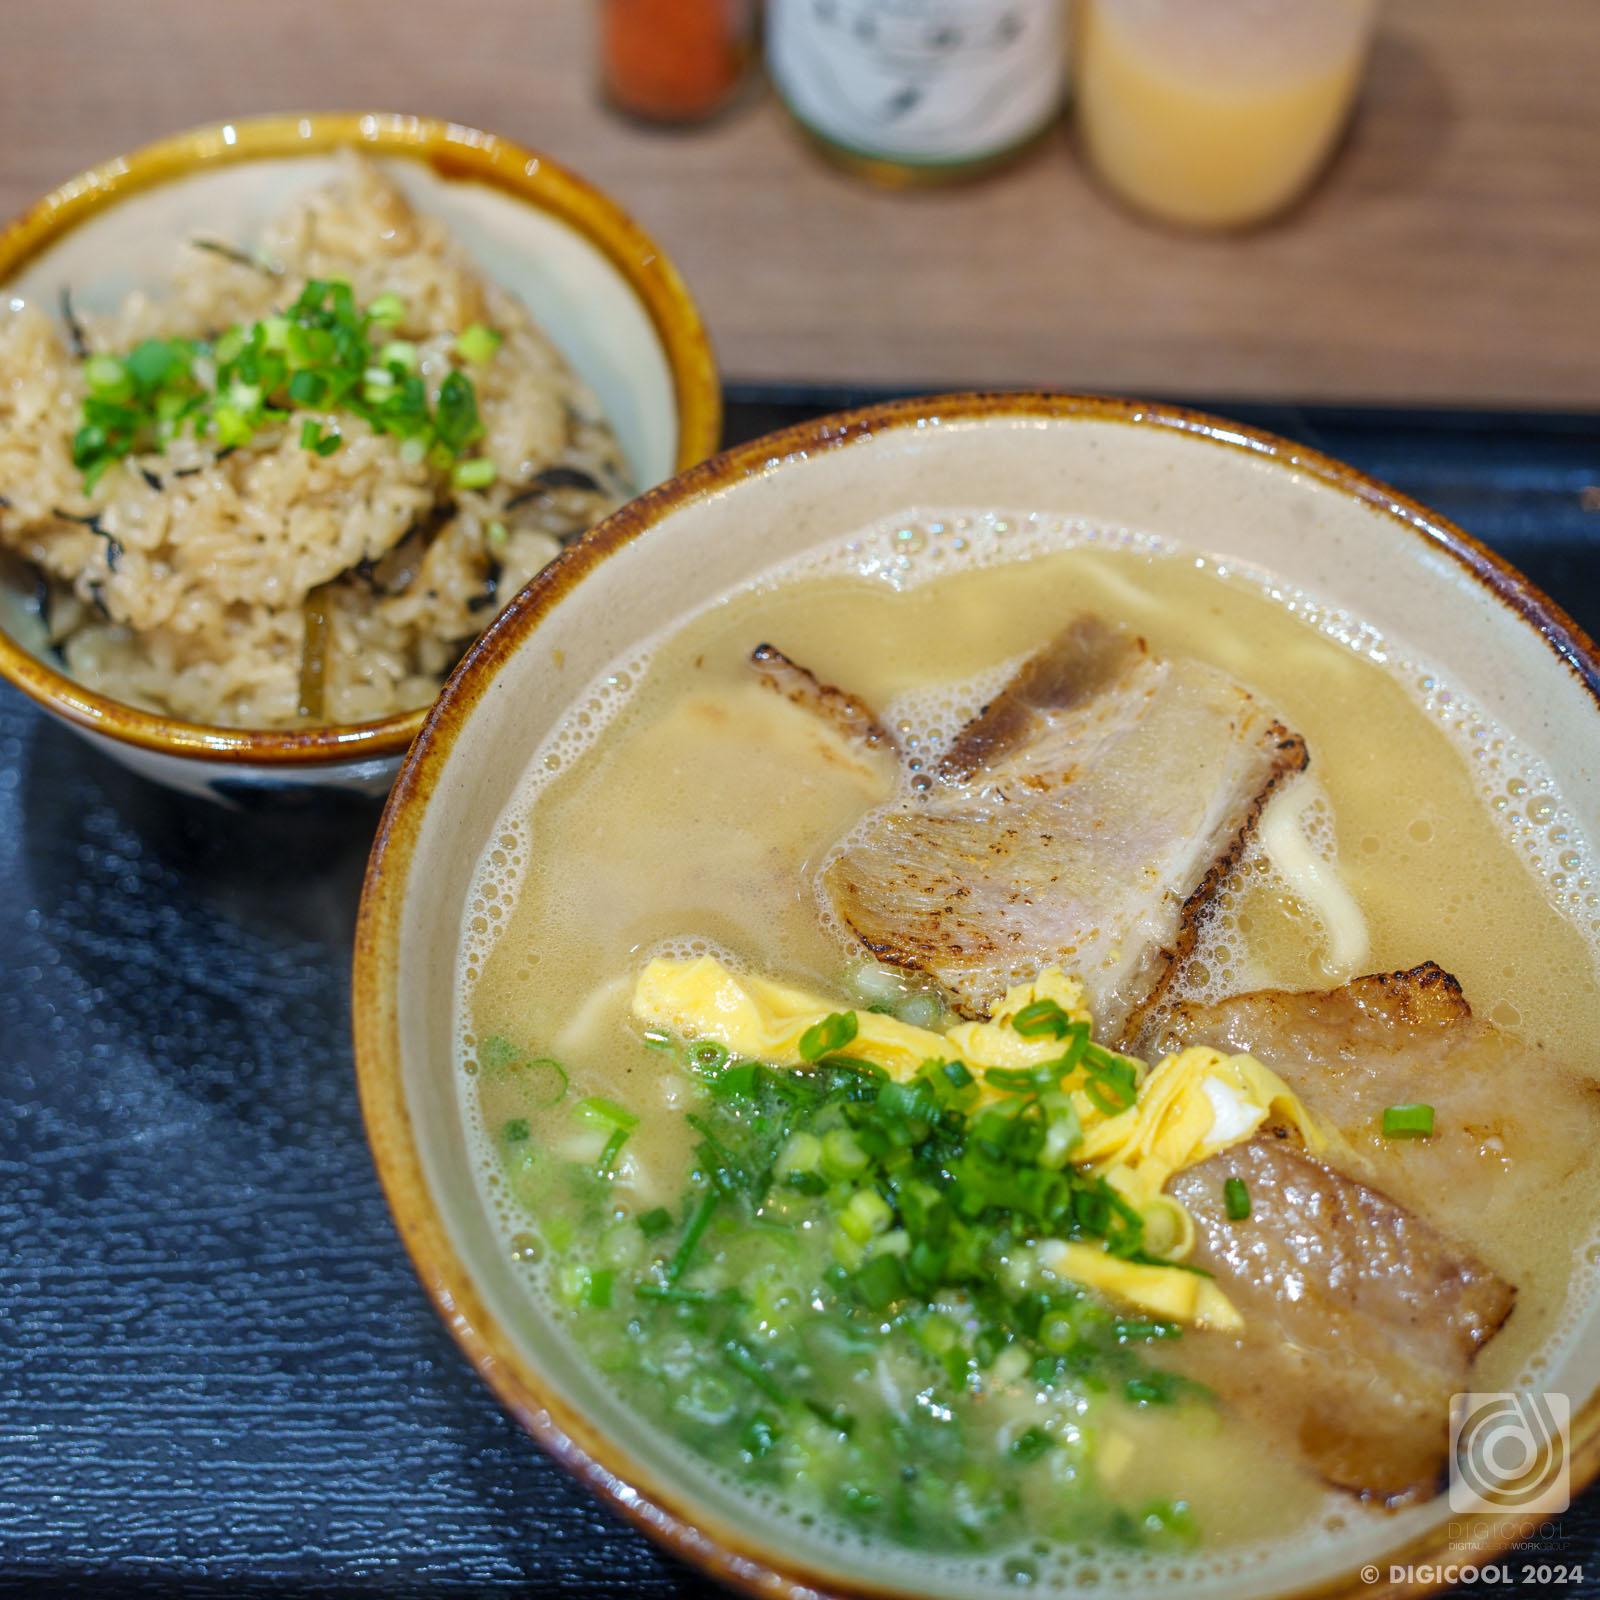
(662, 1510)
(456, 152)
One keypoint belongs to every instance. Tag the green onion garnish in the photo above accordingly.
(1236, 1199)
(654, 1223)
(516, 1131)
(315, 354)
(834, 1032)
(1030, 1444)
(706, 1055)
(313, 438)
(1043, 1019)
(601, 1113)
(1407, 1122)
(475, 474)
(881, 1281)
(699, 1221)
(742, 1359)
(606, 1166)
(477, 343)
(496, 1053)
(544, 1081)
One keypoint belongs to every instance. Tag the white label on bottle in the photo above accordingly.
(920, 80)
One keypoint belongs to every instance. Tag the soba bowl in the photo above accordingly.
(1246, 499)
(602, 290)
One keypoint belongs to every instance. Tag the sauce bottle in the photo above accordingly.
(916, 91)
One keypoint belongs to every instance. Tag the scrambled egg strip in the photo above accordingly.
(1189, 1107)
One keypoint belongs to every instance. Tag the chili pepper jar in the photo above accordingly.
(674, 60)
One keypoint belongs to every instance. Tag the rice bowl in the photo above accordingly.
(176, 581)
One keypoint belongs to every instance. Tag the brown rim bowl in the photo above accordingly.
(607, 293)
(1206, 484)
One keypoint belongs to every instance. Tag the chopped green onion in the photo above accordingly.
(834, 1032)
(694, 1229)
(316, 353)
(545, 1081)
(606, 1166)
(106, 375)
(842, 1155)
(836, 1417)
(232, 427)
(1236, 1199)
(803, 1153)
(1407, 1122)
(1030, 1444)
(742, 1359)
(738, 1079)
(687, 1297)
(881, 1281)
(496, 1053)
(706, 1055)
(516, 1131)
(602, 1113)
(478, 473)
(1129, 1331)
(654, 1223)
(1042, 1019)
(1153, 1389)
(478, 343)
(153, 361)
(868, 1213)
(313, 438)
(456, 417)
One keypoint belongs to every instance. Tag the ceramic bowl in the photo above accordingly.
(604, 292)
(1206, 484)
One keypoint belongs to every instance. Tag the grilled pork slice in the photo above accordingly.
(850, 717)
(1360, 1318)
(1084, 818)
(1511, 1125)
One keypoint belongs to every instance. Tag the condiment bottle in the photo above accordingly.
(909, 91)
(1216, 113)
(673, 60)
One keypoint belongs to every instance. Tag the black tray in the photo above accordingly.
(217, 1373)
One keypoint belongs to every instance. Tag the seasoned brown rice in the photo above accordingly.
(181, 583)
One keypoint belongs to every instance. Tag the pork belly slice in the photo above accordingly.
(851, 718)
(1512, 1125)
(1361, 1318)
(1085, 819)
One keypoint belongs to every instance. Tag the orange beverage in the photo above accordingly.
(1216, 113)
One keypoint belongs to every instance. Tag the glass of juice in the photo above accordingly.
(1216, 113)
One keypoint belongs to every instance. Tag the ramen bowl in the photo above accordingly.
(1134, 472)
(604, 293)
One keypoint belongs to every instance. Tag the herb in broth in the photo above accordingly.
(844, 1304)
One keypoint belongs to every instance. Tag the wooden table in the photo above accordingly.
(1451, 255)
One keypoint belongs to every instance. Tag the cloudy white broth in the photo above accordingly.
(835, 1276)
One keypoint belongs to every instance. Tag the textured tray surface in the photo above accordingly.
(217, 1373)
